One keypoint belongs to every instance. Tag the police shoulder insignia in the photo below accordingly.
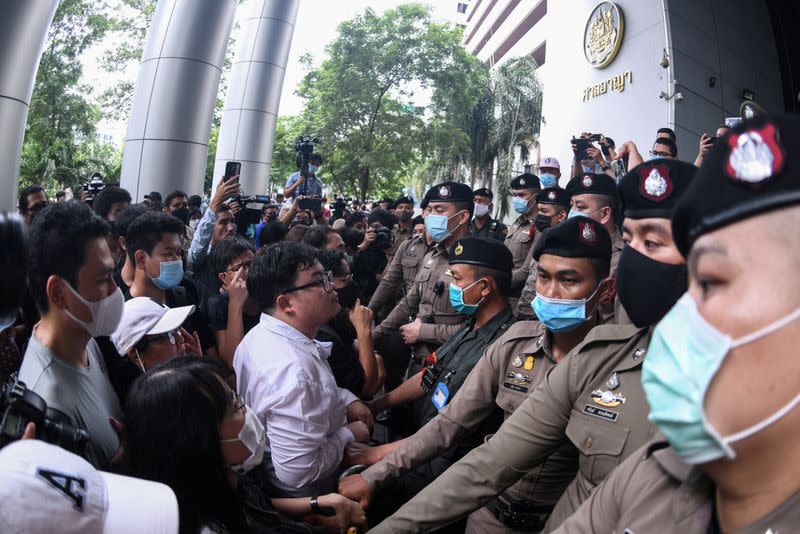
(655, 182)
(459, 249)
(756, 155)
(607, 398)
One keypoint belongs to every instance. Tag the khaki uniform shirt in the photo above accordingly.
(519, 242)
(653, 491)
(400, 236)
(492, 229)
(509, 369)
(593, 398)
(524, 311)
(400, 274)
(427, 303)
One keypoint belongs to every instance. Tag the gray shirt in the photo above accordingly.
(84, 394)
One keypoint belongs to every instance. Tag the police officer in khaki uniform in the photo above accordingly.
(593, 398)
(722, 383)
(520, 236)
(480, 271)
(404, 211)
(574, 268)
(482, 224)
(552, 207)
(425, 317)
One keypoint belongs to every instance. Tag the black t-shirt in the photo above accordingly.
(343, 360)
(218, 314)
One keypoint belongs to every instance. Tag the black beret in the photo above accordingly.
(489, 253)
(426, 199)
(450, 192)
(526, 181)
(386, 199)
(578, 237)
(652, 188)
(748, 172)
(595, 184)
(553, 195)
(484, 192)
(404, 200)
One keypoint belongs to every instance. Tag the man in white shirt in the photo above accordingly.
(284, 376)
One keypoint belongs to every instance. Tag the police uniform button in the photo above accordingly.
(639, 353)
(588, 443)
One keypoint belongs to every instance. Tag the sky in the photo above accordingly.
(317, 22)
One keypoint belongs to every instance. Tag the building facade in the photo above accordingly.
(627, 68)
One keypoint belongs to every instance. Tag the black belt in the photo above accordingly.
(519, 516)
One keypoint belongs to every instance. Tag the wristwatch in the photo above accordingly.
(317, 509)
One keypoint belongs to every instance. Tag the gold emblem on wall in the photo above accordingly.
(602, 36)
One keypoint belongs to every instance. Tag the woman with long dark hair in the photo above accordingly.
(189, 430)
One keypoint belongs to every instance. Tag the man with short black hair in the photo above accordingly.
(110, 202)
(71, 279)
(522, 234)
(177, 205)
(664, 147)
(482, 224)
(324, 238)
(32, 200)
(404, 211)
(290, 387)
(666, 133)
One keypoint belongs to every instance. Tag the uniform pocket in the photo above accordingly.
(509, 400)
(600, 441)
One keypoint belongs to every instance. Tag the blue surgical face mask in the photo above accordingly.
(312, 168)
(457, 299)
(561, 315)
(575, 213)
(520, 205)
(684, 355)
(437, 226)
(548, 180)
(170, 274)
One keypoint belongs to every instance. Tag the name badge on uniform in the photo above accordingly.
(440, 396)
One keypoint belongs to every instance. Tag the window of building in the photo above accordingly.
(462, 8)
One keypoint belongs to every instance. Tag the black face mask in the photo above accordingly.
(647, 288)
(182, 214)
(348, 295)
(542, 222)
(272, 217)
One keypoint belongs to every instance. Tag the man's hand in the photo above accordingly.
(356, 488)
(410, 331)
(224, 191)
(237, 290)
(596, 154)
(30, 431)
(628, 149)
(358, 411)
(359, 430)
(348, 514)
(369, 238)
(190, 343)
(361, 317)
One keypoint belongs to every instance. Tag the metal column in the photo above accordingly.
(166, 144)
(247, 132)
(23, 32)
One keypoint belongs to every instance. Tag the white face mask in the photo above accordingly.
(253, 436)
(193, 223)
(106, 313)
(481, 210)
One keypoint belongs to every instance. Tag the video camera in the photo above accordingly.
(248, 218)
(583, 143)
(304, 146)
(383, 238)
(95, 185)
(20, 406)
(338, 207)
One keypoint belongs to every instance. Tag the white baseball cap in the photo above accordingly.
(549, 162)
(45, 489)
(145, 317)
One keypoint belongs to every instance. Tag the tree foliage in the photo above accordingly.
(62, 118)
(360, 101)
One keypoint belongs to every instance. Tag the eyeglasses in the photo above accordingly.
(243, 265)
(660, 153)
(346, 279)
(326, 281)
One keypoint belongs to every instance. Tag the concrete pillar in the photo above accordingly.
(247, 132)
(23, 32)
(166, 144)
